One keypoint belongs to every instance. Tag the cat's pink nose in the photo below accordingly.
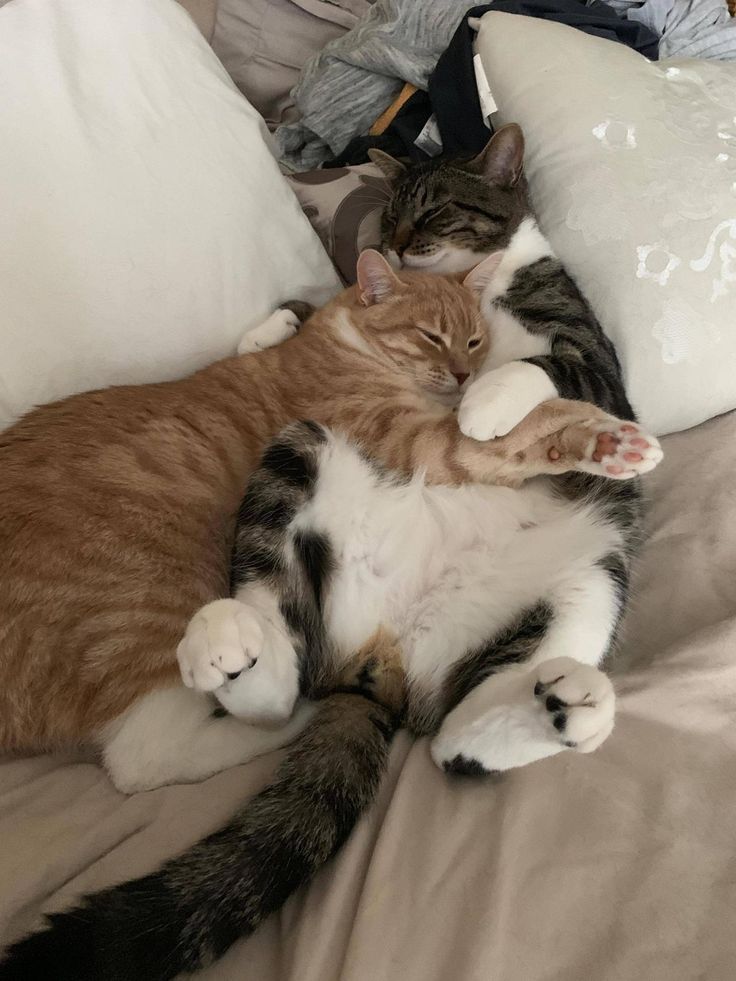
(462, 377)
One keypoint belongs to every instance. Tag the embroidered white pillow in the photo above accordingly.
(632, 167)
(145, 223)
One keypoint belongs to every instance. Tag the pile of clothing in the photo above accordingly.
(413, 63)
(686, 28)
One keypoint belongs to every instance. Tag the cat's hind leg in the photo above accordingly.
(173, 735)
(519, 716)
(536, 690)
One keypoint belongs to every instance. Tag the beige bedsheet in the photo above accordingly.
(620, 866)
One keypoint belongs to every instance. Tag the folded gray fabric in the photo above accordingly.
(687, 28)
(354, 78)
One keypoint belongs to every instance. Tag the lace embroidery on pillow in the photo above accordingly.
(614, 134)
(725, 253)
(656, 262)
(680, 331)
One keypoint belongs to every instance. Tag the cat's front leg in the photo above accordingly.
(236, 652)
(279, 327)
(561, 435)
(497, 402)
(605, 447)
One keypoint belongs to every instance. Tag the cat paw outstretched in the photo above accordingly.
(621, 451)
(223, 639)
(279, 327)
(604, 446)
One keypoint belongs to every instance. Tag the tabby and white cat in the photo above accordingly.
(448, 216)
(118, 510)
(496, 603)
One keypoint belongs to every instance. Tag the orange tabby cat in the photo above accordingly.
(118, 506)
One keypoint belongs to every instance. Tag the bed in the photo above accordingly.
(619, 866)
(616, 866)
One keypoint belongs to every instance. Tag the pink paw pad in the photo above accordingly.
(606, 445)
(621, 452)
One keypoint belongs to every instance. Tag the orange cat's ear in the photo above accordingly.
(376, 278)
(478, 278)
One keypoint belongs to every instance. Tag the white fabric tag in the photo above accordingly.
(487, 103)
(429, 140)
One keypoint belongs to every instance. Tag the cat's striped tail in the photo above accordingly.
(187, 914)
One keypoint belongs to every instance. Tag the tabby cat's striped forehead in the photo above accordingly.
(445, 203)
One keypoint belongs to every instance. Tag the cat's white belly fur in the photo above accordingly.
(447, 569)
(444, 567)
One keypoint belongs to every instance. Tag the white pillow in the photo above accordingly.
(145, 223)
(632, 167)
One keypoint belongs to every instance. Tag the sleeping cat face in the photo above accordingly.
(429, 326)
(445, 217)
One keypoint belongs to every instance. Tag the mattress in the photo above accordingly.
(618, 866)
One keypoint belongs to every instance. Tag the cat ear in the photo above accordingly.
(376, 279)
(392, 169)
(502, 160)
(478, 278)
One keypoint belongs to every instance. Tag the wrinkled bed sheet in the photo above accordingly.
(620, 866)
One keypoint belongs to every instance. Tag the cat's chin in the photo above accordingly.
(449, 399)
(422, 261)
(446, 261)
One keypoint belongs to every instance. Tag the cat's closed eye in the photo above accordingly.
(432, 213)
(432, 338)
(474, 342)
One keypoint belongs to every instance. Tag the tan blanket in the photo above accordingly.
(620, 866)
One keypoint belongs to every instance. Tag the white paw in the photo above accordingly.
(222, 640)
(520, 716)
(499, 400)
(279, 327)
(621, 450)
(578, 700)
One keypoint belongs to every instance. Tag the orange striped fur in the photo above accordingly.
(117, 506)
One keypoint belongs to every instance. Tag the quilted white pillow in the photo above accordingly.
(145, 223)
(632, 166)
